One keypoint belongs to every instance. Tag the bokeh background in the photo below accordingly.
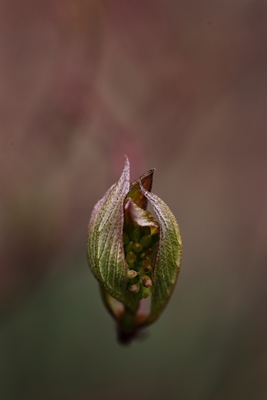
(176, 85)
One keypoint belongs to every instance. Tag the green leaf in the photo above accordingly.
(168, 259)
(105, 245)
(138, 215)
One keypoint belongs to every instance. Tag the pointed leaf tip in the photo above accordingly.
(136, 194)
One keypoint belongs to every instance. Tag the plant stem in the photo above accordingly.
(127, 329)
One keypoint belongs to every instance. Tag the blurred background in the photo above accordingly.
(176, 85)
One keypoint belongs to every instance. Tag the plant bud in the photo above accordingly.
(131, 273)
(147, 282)
(131, 254)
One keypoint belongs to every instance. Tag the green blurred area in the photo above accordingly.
(61, 344)
(179, 86)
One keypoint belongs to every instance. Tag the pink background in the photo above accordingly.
(176, 85)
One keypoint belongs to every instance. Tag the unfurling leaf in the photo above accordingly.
(133, 255)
